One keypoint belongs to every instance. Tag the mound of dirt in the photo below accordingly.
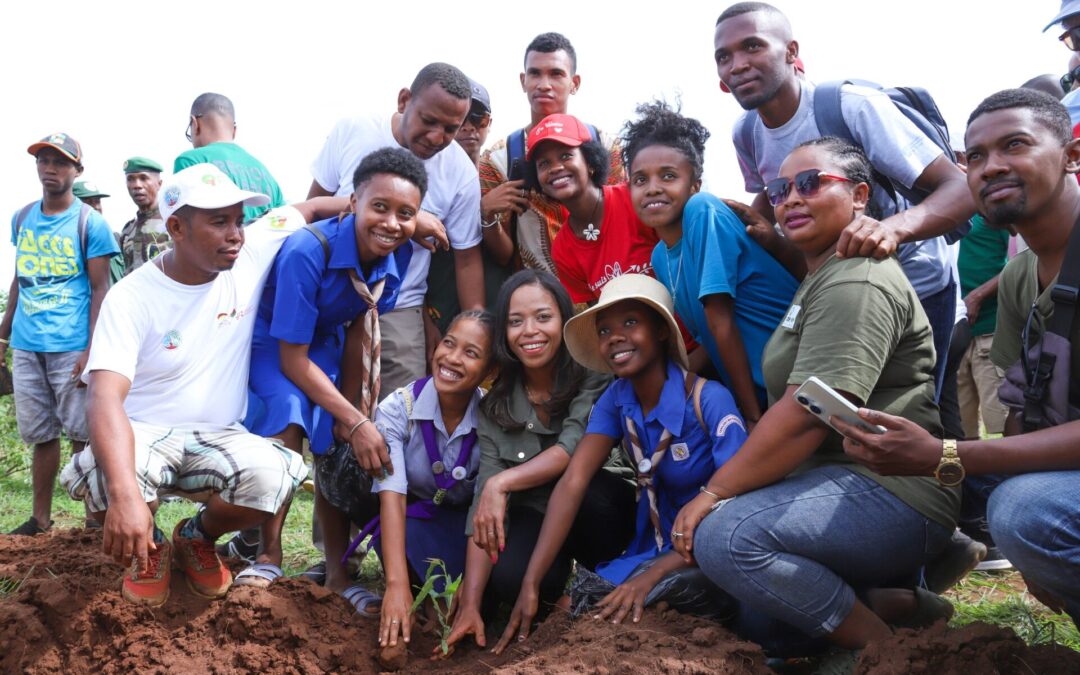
(66, 615)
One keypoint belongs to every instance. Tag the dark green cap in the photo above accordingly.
(137, 164)
(84, 189)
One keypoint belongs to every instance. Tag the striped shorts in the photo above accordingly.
(243, 469)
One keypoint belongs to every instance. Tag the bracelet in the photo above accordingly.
(3, 341)
(358, 425)
(497, 220)
(705, 491)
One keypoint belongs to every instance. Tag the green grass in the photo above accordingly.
(1002, 599)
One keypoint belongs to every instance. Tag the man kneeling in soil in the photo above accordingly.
(167, 381)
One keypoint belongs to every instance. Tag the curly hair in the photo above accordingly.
(659, 124)
(1047, 110)
(451, 79)
(597, 159)
(569, 374)
(396, 161)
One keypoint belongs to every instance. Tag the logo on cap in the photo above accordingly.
(125, 165)
(209, 179)
(172, 195)
(58, 139)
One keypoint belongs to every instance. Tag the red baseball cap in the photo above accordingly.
(565, 129)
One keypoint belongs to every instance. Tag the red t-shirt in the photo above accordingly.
(624, 246)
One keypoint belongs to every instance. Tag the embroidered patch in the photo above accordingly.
(171, 340)
(728, 421)
(680, 452)
(789, 318)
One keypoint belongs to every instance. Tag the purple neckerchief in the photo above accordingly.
(423, 509)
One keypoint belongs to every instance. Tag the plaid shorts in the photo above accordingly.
(47, 399)
(243, 469)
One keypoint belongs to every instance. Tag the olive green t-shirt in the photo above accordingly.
(1018, 288)
(857, 325)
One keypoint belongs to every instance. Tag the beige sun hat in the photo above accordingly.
(579, 334)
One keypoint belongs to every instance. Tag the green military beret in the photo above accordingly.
(85, 189)
(137, 164)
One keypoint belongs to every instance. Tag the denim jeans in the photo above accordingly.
(1035, 521)
(940, 309)
(800, 551)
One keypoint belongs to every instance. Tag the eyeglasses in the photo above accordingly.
(1069, 79)
(479, 120)
(807, 184)
(190, 124)
(1071, 38)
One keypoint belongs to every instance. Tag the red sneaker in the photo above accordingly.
(150, 587)
(206, 574)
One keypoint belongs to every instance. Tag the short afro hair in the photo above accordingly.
(451, 79)
(1044, 108)
(547, 43)
(659, 124)
(740, 8)
(396, 161)
(213, 104)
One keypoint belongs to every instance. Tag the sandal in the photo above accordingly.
(361, 599)
(316, 573)
(259, 575)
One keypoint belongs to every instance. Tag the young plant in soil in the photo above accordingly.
(440, 600)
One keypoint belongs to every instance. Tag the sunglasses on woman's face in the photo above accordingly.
(807, 184)
(1071, 38)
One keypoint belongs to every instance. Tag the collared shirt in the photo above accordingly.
(143, 238)
(501, 449)
(696, 450)
(306, 296)
(412, 467)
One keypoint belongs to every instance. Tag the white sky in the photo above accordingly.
(120, 76)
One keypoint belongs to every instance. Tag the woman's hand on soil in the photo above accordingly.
(905, 449)
(369, 447)
(488, 522)
(129, 531)
(686, 522)
(627, 596)
(467, 622)
(395, 615)
(521, 617)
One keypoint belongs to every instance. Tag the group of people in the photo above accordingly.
(563, 369)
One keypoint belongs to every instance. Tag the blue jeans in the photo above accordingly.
(800, 550)
(1035, 521)
(940, 309)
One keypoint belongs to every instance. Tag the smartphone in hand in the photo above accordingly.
(824, 402)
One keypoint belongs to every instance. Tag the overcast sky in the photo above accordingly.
(120, 76)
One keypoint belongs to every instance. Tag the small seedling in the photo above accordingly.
(441, 600)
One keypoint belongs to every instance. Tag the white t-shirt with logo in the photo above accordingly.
(453, 191)
(187, 349)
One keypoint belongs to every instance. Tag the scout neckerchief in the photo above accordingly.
(424, 509)
(371, 347)
(645, 467)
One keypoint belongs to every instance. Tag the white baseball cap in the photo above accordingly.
(203, 186)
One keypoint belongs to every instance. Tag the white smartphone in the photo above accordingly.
(824, 402)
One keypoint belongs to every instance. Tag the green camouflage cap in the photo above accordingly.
(137, 164)
(85, 189)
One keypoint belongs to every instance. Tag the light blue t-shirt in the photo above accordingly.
(716, 256)
(54, 290)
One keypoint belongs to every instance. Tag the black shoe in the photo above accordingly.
(239, 547)
(994, 561)
(31, 528)
(317, 573)
(959, 557)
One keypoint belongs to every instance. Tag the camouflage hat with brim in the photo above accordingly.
(62, 143)
(141, 164)
(85, 189)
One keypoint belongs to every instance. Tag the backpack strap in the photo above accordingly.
(515, 149)
(594, 132)
(828, 112)
(693, 384)
(1067, 289)
(84, 234)
(322, 240)
(23, 213)
(744, 141)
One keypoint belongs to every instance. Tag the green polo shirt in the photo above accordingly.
(857, 325)
(501, 449)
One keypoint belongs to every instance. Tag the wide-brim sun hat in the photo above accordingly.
(1068, 8)
(580, 336)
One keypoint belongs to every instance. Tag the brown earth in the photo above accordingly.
(66, 615)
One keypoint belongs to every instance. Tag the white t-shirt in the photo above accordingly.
(892, 143)
(453, 192)
(187, 349)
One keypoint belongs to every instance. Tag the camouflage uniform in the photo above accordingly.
(143, 238)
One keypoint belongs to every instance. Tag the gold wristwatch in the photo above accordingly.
(949, 472)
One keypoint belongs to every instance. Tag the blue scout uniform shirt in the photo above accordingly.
(694, 455)
(714, 256)
(406, 444)
(54, 290)
(307, 297)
